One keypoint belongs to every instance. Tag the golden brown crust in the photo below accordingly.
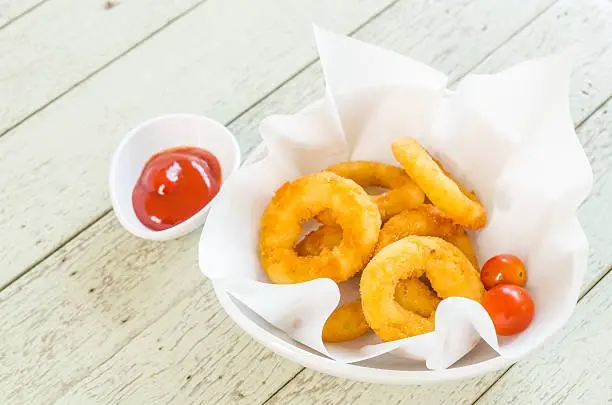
(414, 295)
(348, 321)
(345, 323)
(446, 267)
(402, 192)
(298, 201)
(425, 220)
(442, 191)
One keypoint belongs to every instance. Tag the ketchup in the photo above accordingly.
(174, 185)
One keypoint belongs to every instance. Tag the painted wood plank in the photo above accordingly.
(584, 24)
(83, 304)
(60, 43)
(595, 214)
(134, 284)
(58, 160)
(204, 359)
(574, 367)
(310, 387)
(13, 9)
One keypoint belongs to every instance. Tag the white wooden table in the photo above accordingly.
(91, 315)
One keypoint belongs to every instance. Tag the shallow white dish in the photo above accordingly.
(153, 136)
(386, 369)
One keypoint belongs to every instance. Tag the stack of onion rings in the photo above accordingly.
(422, 254)
(413, 295)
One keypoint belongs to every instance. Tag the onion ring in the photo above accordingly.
(298, 201)
(345, 323)
(444, 192)
(448, 270)
(425, 220)
(348, 322)
(402, 192)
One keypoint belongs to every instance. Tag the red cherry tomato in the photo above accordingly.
(503, 269)
(510, 308)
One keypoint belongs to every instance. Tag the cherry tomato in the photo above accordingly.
(503, 269)
(510, 308)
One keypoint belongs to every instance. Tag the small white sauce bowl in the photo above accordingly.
(154, 136)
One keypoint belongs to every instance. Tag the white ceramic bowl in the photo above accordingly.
(386, 369)
(153, 136)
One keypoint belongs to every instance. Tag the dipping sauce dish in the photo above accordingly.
(184, 139)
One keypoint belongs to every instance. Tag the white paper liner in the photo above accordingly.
(509, 136)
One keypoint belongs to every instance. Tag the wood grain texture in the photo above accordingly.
(205, 359)
(82, 305)
(574, 367)
(66, 148)
(138, 282)
(50, 49)
(310, 387)
(11, 10)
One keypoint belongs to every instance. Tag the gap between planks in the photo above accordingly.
(22, 14)
(98, 70)
(283, 386)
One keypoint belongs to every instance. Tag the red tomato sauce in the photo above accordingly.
(174, 185)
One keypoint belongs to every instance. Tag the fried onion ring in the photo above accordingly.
(425, 220)
(448, 270)
(298, 201)
(402, 192)
(345, 323)
(348, 322)
(444, 192)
